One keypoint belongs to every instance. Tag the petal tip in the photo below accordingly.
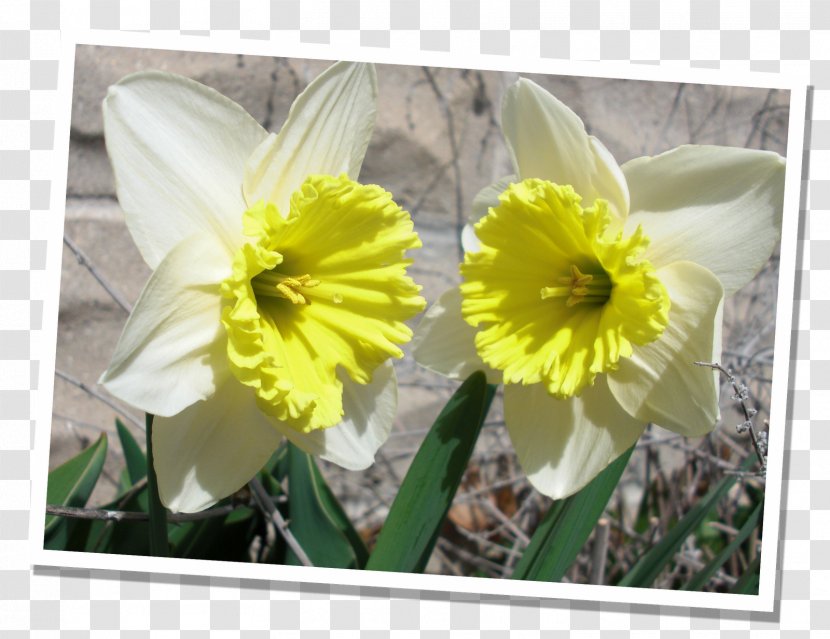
(182, 504)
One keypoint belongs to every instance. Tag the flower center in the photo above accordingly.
(318, 296)
(580, 287)
(556, 294)
(273, 284)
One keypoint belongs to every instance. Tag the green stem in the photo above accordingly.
(158, 513)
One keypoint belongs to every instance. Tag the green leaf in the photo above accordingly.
(216, 538)
(415, 518)
(123, 481)
(646, 570)
(133, 455)
(158, 514)
(317, 519)
(567, 525)
(277, 465)
(748, 583)
(71, 484)
(699, 580)
(277, 554)
(192, 539)
(124, 537)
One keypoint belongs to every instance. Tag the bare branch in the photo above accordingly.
(263, 500)
(137, 487)
(94, 393)
(742, 396)
(84, 261)
(130, 515)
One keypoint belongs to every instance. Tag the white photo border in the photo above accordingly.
(44, 342)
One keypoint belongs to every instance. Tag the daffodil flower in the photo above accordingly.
(590, 289)
(279, 286)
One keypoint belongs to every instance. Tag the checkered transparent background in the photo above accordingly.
(761, 35)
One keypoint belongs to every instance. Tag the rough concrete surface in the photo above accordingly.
(435, 145)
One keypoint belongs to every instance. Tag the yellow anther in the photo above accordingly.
(596, 295)
(290, 293)
(274, 284)
(303, 280)
(579, 286)
(576, 278)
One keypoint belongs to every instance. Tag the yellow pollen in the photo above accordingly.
(580, 287)
(273, 284)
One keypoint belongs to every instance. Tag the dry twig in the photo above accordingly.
(263, 500)
(84, 261)
(742, 397)
(94, 393)
(130, 515)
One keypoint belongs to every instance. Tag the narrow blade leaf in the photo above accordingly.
(749, 581)
(699, 580)
(220, 538)
(645, 571)
(277, 465)
(317, 519)
(123, 537)
(71, 484)
(415, 518)
(567, 525)
(133, 455)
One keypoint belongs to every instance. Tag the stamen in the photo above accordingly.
(580, 287)
(272, 284)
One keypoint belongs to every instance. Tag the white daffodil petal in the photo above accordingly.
(718, 206)
(445, 344)
(660, 383)
(212, 448)
(469, 240)
(488, 197)
(563, 444)
(327, 132)
(609, 180)
(548, 141)
(172, 350)
(368, 415)
(178, 151)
